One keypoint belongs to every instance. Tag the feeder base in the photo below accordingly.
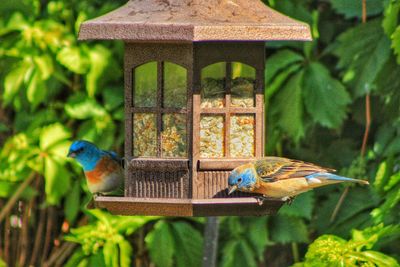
(244, 206)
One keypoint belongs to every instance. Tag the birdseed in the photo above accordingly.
(212, 136)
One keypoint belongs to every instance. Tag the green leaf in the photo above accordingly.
(13, 81)
(57, 180)
(288, 105)
(389, 22)
(272, 87)
(302, 206)
(53, 134)
(377, 258)
(77, 257)
(36, 91)
(383, 174)
(258, 239)
(74, 59)
(189, 245)
(99, 60)
(44, 65)
(113, 98)
(110, 252)
(160, 243)
(82, 107)
(238, 253)
(72, 203)
(351, 9)
(324, 97)
(396, 43)
(279, 61)
(364, 59)
(125, 253)
(287, 229)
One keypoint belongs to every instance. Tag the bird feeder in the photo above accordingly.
(194, 103)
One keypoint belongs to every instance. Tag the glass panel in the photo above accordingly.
(145, 87)
(243, 81)
(144, 135)
(242, 136)
(213, 85)
(212, 136)
(175, 93)
(173, 136)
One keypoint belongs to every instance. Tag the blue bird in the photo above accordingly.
(103, 169)
(282, 178)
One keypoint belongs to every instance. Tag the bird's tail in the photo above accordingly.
(334, 177)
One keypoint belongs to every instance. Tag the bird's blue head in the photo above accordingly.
(243, 178)
(86, 153)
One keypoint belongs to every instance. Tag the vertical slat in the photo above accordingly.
(227, 120)
(159, 105)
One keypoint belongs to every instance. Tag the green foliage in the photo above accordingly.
(54, 89)
(104, 239)
(330, 250)
(352, 9)
(240, 243)
(174, 244)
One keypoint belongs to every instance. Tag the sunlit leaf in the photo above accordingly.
(110, 252)
(390, 22)
(52, 135)
(396, 43)
(125, 253)
(13, 81)
(99, 57)
(74, 59)
(82, 107)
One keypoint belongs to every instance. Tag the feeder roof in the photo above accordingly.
(194, 20)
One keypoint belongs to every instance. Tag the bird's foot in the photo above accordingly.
(288, 200)
(260, 200)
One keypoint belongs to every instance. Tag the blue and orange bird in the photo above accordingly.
(282, 178)
(103, 169)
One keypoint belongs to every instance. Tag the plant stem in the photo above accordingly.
(14, 198)
(295, 252)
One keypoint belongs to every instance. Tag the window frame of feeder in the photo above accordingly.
(164, 111)
(252, 107)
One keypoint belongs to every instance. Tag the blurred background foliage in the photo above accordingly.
(54, 89)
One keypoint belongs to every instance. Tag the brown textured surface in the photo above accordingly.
(157, 184)
(187, 207)
(194, 20)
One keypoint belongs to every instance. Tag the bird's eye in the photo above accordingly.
(79, 150)
(239, 180)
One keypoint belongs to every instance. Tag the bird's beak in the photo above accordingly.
(232, 189)
(71, 155)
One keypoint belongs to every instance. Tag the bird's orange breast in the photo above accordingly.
(104, 167)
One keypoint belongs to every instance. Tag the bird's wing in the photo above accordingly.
(115, 157)
(271, 169)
